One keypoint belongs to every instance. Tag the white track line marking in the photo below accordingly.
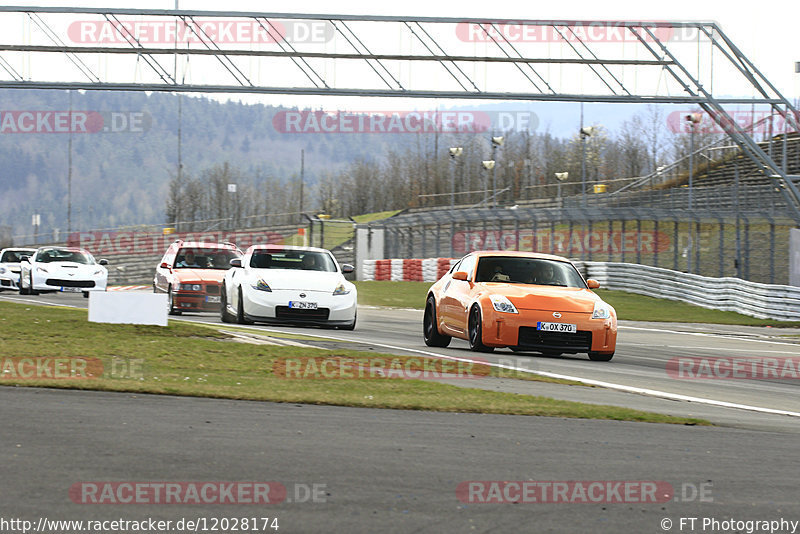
(704, 334)
(588, 381)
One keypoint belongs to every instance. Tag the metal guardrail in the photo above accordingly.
(763, 301)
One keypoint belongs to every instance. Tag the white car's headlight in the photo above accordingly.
(341, 290)
(98, 271)
(2, 270)
(261, 285)
(41, 269)
(502, 304)
(601, 311)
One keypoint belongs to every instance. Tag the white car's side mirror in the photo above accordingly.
(236, 262)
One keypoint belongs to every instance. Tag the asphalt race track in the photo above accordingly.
(398, 471)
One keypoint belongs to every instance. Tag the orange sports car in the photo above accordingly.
(522, 300)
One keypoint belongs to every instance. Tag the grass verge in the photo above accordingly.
(629, 306)
(184, 359)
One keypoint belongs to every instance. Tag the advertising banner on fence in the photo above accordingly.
(113, 243)
(563, 241)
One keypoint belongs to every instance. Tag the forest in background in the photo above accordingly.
(126, 178)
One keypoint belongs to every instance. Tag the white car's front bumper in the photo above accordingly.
(334, 310)
(73, 284)
(9, 280)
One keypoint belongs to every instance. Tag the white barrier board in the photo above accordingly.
(121, 307)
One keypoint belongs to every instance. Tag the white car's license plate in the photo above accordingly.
(212, 300)
(557, 327)
(71, 289)
(302, 305)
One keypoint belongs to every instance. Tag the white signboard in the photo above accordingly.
(128, 307)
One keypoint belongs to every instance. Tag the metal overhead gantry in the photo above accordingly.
(189, 51)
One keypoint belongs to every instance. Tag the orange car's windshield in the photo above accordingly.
(519, 270)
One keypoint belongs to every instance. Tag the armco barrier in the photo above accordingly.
(763, 301)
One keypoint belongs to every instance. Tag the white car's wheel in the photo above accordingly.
(351, 326)
(240, 318)
(224, 314)
(22, 289)
(31, 291)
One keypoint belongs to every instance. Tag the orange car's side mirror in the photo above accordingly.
(593, 284)
(460, 275)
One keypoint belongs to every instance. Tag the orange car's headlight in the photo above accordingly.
(502, 304)
(601, 311)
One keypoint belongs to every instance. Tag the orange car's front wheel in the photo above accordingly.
(430, 329)
(475, 331)
(600, 357)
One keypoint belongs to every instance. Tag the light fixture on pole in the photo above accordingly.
(692, 119)
(496, 142)
(488, 165)
(586, 131)
(561, 177)
(454, 153)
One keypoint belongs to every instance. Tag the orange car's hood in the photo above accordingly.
(535, 297)
(200, 275)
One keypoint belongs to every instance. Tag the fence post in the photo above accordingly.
(721, 247)
(639, 240)
(655, 242)
(697, 246)
(676, 243)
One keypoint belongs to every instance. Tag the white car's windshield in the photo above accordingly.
(14, 256)
(51, 255)
(293, 259)
(518, 270)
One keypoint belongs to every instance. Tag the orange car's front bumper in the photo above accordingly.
(520, 330)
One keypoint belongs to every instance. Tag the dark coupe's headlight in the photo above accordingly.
(191, 287)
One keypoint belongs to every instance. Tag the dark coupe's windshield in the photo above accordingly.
(51, 255)
(293, 259)
(517, 270)
(198, 258)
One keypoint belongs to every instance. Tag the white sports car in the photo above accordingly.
(282, 284)
(9, 266)
(66, 269)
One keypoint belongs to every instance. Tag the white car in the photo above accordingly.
(9, 266)
(283, 284)
(66, 269)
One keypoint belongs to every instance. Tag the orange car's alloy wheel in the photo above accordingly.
(430, 329)
(475, 331)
